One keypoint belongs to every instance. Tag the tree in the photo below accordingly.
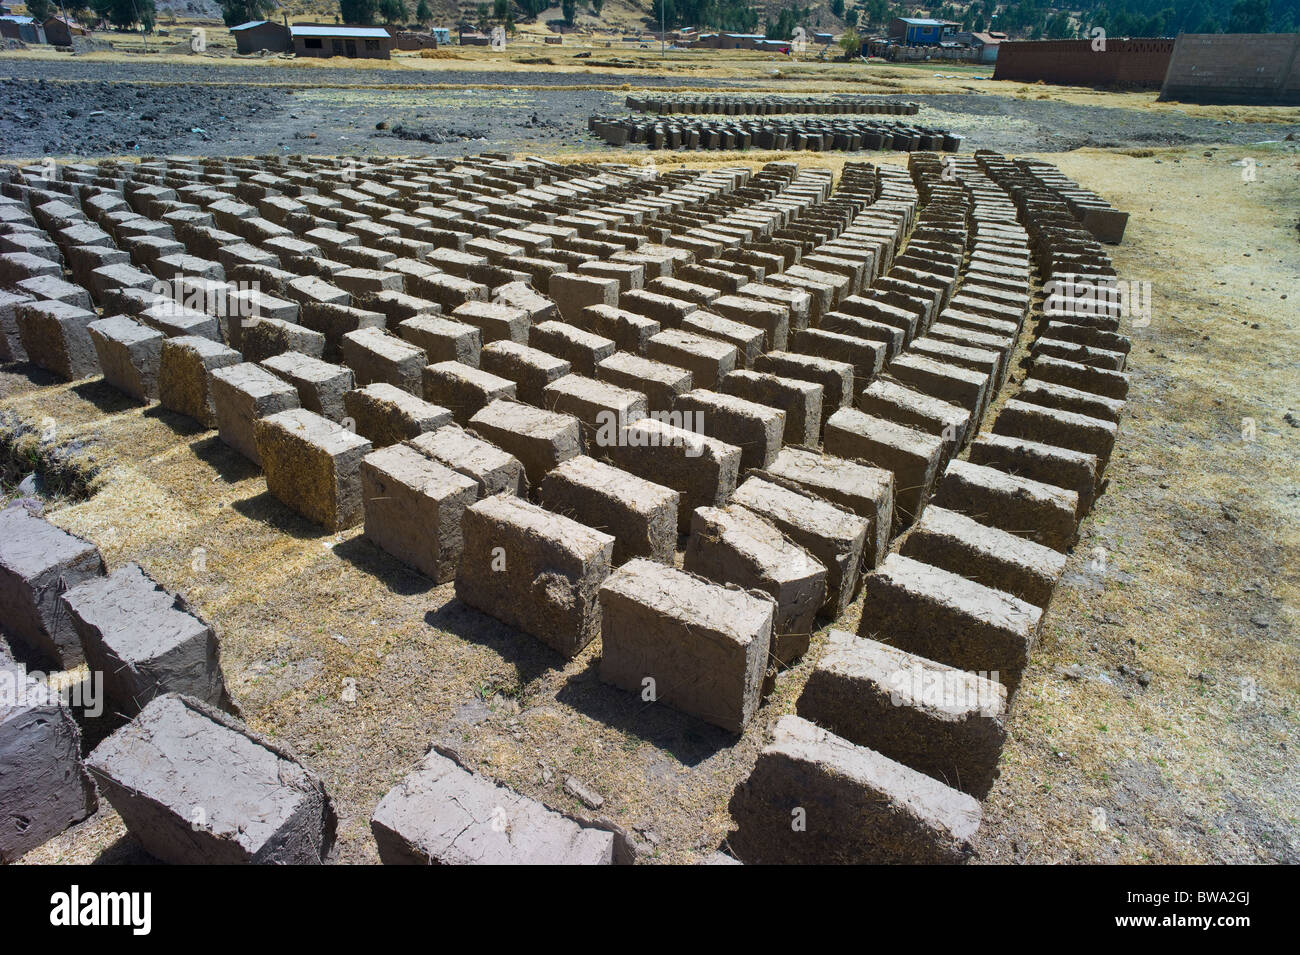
(837, 8)
(851, 44)
(597, 6)
(235, 12)
(357, 11)
(570, 10)
(1249, 16)
(423, 13)
(393, 10)
(126, 13)
(500, 9)
(39, 10)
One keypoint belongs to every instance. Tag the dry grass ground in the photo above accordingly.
(1156, 722)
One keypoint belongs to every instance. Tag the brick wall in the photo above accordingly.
(1235, 68)
(1129, 63)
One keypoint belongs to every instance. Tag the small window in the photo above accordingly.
(312, 43)
(372, 44)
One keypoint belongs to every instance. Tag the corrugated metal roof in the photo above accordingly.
(249, 25)
(921, 22)
(368, 33)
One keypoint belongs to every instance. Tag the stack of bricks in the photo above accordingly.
(808, 133)
(769, 105)
(546, 382)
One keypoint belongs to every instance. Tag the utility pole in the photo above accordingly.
(663, 35)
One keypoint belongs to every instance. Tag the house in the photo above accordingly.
(59, 32)
(916, 31)
(256, 35)
(474, 38)
(354, 42)
(26, 29)
(441, 34)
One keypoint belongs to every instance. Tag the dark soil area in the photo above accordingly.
(89, 109)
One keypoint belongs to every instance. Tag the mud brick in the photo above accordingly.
(531, 369)
(144, 640)
(668, 312)
(243, 393)
(263, 338)
(771, 318)
(51, 289)
(641, 515)
(858, 488)
(377, 357)
(1068, 351)
(175, 320)
(1064, 429)
(867, 357)
(736, 546)
(321, 385)
(801, 401)
(185, 366)
(986, 555)
(628, 330)
(443, 339)
(980, 360)
(1040, 512)
(582, 349)
(1070, 399)
(33, 243)
(442, 814)
(16, 266)
(84, 259)
(462, 389)
(540, 439)
(496, 322)
(936, 719)
(629, 275)
(336, 321)
(747, 341)
(856, 327)
(1073, 470)
(520, 295)
(53, 335)
(547, 583)
(385, 414)
(309, 290)
(703, 470)
(798, 302)
(704, 646)
(754, 428)
(11, 346)
(913, 456)
(449, 291)
(822, 296)
(604, 409)
(38, 563)
(1084, 335)
(913, 409)
(979, 323)
(44, 788)
(573, 292)
(492, 470)
(258, 804)
(414, 507)
(945, 617)
(881, 312)
(1099, 381)
(252, 303)
(835, 377)
(661, 383)
(313, 466)
(398, 306)
(674, 288)
(129, 355)
(708, 360)
(366, 282)
(860, 807)
(832, 536)
(947, 382)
